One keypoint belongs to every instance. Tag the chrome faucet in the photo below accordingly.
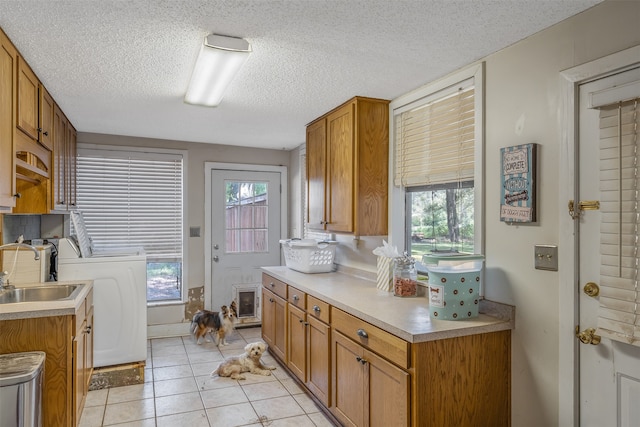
(22, 245)
(3, 274)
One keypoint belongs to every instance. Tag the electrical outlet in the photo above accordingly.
(546, 257)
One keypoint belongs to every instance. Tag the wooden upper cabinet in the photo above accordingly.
(28, 98)
(316, 173)
(349, 147)
(8, 67)
(45, 118)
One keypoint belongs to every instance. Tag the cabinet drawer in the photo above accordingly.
(385, 344)
(297, 297)
(318, 308)
(274, 285)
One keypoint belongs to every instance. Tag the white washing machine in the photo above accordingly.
(119, 299)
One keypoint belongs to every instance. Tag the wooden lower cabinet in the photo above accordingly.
(319, 359)
(368, 390)
(274, 323)
(68, 345)
(365, 376)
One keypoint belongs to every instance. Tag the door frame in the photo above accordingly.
(569, 356)
(208, 168)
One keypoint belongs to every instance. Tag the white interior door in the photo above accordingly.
(609, 369)
(245, 225)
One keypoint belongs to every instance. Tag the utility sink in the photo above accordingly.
(39, 293)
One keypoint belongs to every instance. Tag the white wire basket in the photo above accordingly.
(308, 255)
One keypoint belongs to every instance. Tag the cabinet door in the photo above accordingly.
(387, 393)
(348, 376)
(27, 120)
(8, 67)
(318, 359)
(59, 154)
(70, 176)
(79, 371)
(45, 118)
(340, 169)
(297, 342)
(274, 323)
(316, 174)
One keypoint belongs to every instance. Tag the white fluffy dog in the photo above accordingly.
(247, 362)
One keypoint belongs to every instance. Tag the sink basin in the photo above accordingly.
(39, 293)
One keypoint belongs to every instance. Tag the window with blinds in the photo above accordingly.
(619, 312)
(135, 199)
(435, 142)
(435, 146)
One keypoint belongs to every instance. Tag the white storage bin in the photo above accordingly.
(308, 255)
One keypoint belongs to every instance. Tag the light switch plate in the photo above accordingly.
(194, 231)
(546, 257)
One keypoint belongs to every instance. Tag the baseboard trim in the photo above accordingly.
(168, 330)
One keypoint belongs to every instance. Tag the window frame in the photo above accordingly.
(422, 96)
(87, 147)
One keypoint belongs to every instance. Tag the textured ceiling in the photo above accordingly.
(122, 67)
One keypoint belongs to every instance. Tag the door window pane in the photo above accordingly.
(246, 219)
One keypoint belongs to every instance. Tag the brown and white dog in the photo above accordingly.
(220, 323)
(247, 362)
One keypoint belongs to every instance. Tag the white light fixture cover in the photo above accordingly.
(219, 60)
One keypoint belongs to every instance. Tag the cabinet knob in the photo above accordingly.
(296, 297)
(270, 299)
(88, 329)
(362, 333)
(17, 195)
(316, 309)
(45, 133)
(361, 360)
(272, 284)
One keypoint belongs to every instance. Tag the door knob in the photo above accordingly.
(215, 258)
(591, 289)
(588, 336)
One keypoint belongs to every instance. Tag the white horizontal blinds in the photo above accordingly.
(132, 199)
(619, 312)
(435, 142)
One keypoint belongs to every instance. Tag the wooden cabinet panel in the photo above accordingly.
(316, 156)
(348, 380)
(274, 323)
(45, 118)
(297, 350)
(8, 69)
(28, 97)
(382, 342)
(471, 372)
(340, 169)
(53, 335)
(318, 359)
(390, 407)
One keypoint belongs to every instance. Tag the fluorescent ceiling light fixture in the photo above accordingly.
(219, 60)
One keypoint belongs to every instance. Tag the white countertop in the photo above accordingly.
(407, 318)
(24, 310)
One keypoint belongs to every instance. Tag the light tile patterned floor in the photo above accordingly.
(179, 391)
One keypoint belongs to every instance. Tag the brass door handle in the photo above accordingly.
(588, 336)
(591, 289)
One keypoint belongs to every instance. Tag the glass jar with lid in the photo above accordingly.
(405, 277)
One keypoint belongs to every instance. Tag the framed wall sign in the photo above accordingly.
(518, 183)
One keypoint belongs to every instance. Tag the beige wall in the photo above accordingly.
(523, 105)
